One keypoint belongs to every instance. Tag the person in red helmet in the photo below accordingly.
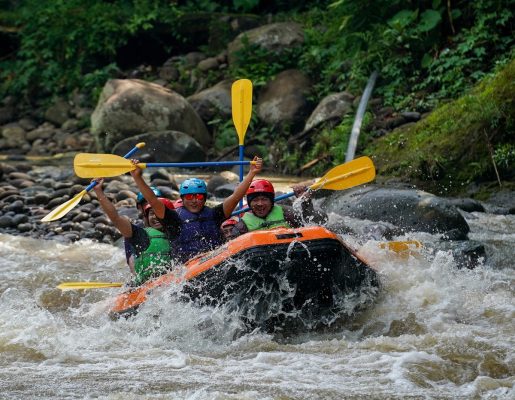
(140, 204)
(152, 250)
(227, 228)
(265, 214)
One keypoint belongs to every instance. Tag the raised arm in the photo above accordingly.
(148, 194)
(121, 223)
(231, 202)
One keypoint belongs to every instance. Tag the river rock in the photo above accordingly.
(214, 101)
(466, 253)
(25, 227)
(410, 210)
(467, 204)
(225, 190)
(44, 131)
(16, 206)
(128, 107)
(285, 99)
(332, 107)
(4, 194)
(274, 37)
(14, 134)
(80, 217)
(57, 201)
(6, 221)
(20, 218)
(58, 112)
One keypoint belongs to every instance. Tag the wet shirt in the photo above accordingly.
(173, 224)
(192, 233)
(138, 243)
(308, 215)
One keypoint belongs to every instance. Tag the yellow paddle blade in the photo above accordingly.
(401, 246)
(403, 249)
(89, 165)
(63, 209)
(241, 96)
(356, 172)
(87, 285)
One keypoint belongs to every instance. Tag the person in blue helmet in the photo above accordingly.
(195, 227)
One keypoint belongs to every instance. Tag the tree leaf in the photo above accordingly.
(429, 19)
(402, 19)
(426, 61)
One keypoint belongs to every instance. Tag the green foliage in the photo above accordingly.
(451, 147)
(245, 5)
(63, 40)
(329, 146)
(418, 48)
(225, 135)
(261, 65)
(504, 156)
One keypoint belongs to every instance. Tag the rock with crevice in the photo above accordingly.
(128, 107)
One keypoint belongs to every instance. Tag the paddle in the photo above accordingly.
(88, 165)
(63, 209)
(87, 285)
(241, 96)
(356, 172)
(401, 246)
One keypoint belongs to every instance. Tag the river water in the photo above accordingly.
(434, 332)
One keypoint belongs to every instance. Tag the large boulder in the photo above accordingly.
(163, 146)
(332, 107)
(212, 102)
(128, 107)
(272, 37)
(408, 209)
(330, 110)
(285, 99)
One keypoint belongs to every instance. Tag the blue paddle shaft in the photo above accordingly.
(198, 164)
(241, 169)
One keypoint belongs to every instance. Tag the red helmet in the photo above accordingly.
(261, 186)
(167, 203)
(228, 222)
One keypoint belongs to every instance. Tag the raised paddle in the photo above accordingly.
(88, 165)
(87, 285)
(63, 209)
(241, 98)
(353, 173)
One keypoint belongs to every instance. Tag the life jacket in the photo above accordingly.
(199, 233)
(155, 259)
(274, 219)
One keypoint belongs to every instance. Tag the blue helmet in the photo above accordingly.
(193, 185)
(141, 199)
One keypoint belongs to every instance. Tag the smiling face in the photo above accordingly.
(261, 206)
(153, 221)
(194, 202)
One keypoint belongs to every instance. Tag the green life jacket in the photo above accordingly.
(274, 219)
(154, 259)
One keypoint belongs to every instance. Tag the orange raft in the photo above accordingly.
(307, 275)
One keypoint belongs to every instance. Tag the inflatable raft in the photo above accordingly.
(306, 277)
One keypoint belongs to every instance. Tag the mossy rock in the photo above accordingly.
(453, 146)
